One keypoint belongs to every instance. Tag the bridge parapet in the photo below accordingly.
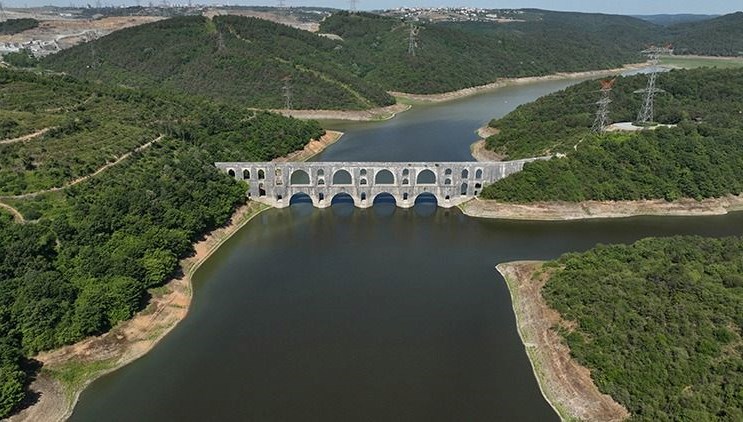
(451, 183)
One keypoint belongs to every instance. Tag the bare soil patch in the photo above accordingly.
(566, 385)
(601, 209)
(314, 147)
(380, 113)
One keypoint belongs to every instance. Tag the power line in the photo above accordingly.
(287, 92)
(413, 39)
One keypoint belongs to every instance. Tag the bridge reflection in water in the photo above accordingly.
(450, 184)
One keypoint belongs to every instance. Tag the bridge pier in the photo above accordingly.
(450, 183)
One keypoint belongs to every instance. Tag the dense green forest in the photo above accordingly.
(659, 324)
(245, 60)
(93, 250)
(452, 56)
(699, 158)
(721, 36)
(237, 59)
(14, 26)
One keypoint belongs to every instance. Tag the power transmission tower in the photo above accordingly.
(287, 89)
(413, 39)
(602, 114)
(3, 16)
(653, 53)
(352, 5)
(281, 4)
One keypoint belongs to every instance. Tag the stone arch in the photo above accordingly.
(300, 198)
(384, 177)
(321, 197)
(342, 177)
(341, 198)
(363, 181)
(478, 174)
(405, 181)
(261, 174)
(321, 182)
(231, 172)
(299, 177)
(426, 177)
(246, 174)
(465, 174)
(363, 196)
(320, 173)
(447, 172)
(447, 198)
(426, 198)
(478, 185)
(362, 172)
(447, 182)
(405, 172)
(405, 196)
(261, 190)
(463, 189)
(385, 198)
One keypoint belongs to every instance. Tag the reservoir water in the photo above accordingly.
(381, 314)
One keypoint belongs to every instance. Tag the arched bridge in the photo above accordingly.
(274, 183)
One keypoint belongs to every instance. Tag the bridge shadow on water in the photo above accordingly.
(383, 205)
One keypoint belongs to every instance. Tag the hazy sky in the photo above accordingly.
(604, 6)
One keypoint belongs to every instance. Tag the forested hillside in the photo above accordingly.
(658, 323)
(91, 252)
(452, 56)
(14, 26)
(721, 36)
(700, 158)
(237, 59)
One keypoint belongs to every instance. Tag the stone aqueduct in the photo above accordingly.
(275, 183)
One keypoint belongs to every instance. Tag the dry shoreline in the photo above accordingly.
(560, 211)
(500, 83)
(85, 361)
(566, 385)
(374, 114)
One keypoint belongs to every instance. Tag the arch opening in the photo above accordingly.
(299, 177)
(384, 177)
(447, 172)
(463, 189)
(405, 181)
(300, 198)
(246, 174)
(261, 174)
(447, 182)
(231, 172)
(363, 182)
(465, 174)
(320, 173)
(478, 174)
(261, 190)
(341, 199)
(342, 177)
(405, 172)
(426, 177)
(385, 198)
(321, 182)
(405, 196)
(321, 197)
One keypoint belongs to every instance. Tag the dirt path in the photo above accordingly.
(554, 211)
(84, 178)
(17, 216)
(566, 385)
(466, 92)
(26, 137)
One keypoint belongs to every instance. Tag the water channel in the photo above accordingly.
(381, 314)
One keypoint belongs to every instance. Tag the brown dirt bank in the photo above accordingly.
(466, 92)
(374, 114)
(566, 385)
(601, 209)
(314, 147)
(479, 149)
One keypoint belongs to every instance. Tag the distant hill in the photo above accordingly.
(237, 59)
(721, 36)
(668, 20)
(457, 55)
(14, 26)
